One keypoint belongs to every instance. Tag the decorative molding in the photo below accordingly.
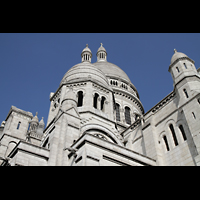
(100, 88)
(177, 60)
(131, 98)
(163, 102)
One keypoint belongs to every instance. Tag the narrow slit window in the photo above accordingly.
(118, 112)
(177, 69)
(186, 94)
(103, 99)
(18, 125)
(96, 96)
(183, 132)
(185, 65)
(173, 134)
(166, 142)
(193, 115)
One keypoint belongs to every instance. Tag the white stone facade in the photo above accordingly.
(96, 118)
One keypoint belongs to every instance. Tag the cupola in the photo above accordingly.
(101, 54)
(86, 54)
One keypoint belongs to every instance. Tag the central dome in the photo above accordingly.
(109, 69)
(112, 70)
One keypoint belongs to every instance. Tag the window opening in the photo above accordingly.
(18, 125)
(185, 65)
(80, 98)
(117, 112)
(177, 69)
(166, 142)
(183, 132)
(127, 115)
(193, 115)
(186, 94)
(96, 96)
(173, 134)
(103, 103)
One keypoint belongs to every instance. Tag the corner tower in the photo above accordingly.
(185, 77)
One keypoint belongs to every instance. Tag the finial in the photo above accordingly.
(42, 117)
(101, 44)
(175, 50)
(86, 45)
(36, 113)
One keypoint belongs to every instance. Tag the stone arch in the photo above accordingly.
(103, 130)
(11, 146)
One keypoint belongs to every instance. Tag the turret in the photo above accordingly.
(181, 66)
(101, 54)
(86, 54)
(34, 124)
(185, 77)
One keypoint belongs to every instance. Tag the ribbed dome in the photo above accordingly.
(85, 71)
(111, 70)
(177, 55)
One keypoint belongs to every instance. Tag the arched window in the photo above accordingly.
(185, 65)
(96, 96)
(117, 112)
(128, 115)
(80, 98)
(103, 99)
(173, 134)
(18, 125)
(166, 142)
(183, 132)
(177, 69)
(186, 94)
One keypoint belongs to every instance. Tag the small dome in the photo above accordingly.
(35, 119)
(86, 54)
(101, 48)
(177, 55)
(84, 71)
(86, 49)
(41, 123)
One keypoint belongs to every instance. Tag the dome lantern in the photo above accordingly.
(86, 54)
(101, 54)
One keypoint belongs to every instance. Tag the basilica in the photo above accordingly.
(96, 118)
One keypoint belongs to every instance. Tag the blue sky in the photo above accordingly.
(33, 64)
